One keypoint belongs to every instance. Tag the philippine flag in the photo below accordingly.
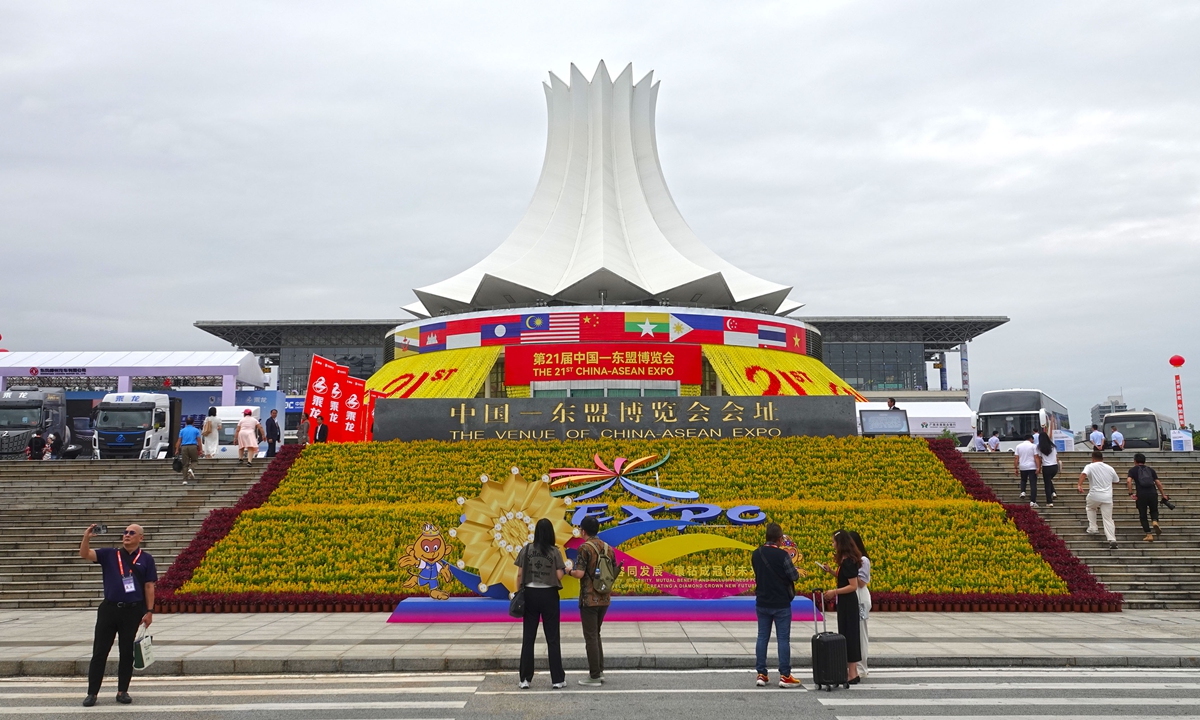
(501, 330)
(701, 329)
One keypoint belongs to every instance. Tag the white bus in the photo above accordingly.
(1017, 413)
(1142, 430)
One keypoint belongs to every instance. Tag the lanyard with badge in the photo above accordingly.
(130, 586)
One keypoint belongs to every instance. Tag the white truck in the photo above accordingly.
(137, 425)
(230, 415)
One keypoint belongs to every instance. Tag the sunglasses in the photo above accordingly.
(131, 532)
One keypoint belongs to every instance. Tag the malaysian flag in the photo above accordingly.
(550, 328)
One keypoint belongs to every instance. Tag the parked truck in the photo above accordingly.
(137, 425)
(26, 410)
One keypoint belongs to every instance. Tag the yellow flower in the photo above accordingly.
(500, 522)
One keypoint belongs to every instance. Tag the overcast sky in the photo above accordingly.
(167, 162)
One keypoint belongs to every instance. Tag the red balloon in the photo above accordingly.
(3, 350)
(1176, 361)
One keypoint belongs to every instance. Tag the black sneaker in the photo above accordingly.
(123, 698)
(89, 701)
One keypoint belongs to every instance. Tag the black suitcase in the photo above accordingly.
(828, 653)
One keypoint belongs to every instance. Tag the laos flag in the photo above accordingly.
(500, 330)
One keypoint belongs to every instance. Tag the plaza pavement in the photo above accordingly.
(58, 642)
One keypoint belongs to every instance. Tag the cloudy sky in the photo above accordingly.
(166, 162)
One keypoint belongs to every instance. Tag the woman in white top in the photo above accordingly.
(248, 432)
(210, 434)
(864, 598)
(1048, 455)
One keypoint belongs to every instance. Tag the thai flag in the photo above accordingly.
(550, 328)
(772, 336)
(501, 330)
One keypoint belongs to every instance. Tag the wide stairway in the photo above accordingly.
(1161, 574)
(47, 505)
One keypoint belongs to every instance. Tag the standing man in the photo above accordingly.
(1097, 438)
(994, 442)
(592, 605)
(37, 446)
(1026, 465)
(1117, 442)
(321, 434)
(775, 579)
(891, 403)
(302, 431)
(129, 576)
(1100, 477)
(978, 444)
(187, 447)
(273, 434)
(1145, 487)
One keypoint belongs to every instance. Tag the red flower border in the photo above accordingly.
(1086, 593)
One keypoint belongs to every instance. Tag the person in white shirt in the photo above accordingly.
(1097, 438)
(1117, 442)
(1048, 461)
(1025, 463)
(979, 444)
(994, 441)
(1100, 477)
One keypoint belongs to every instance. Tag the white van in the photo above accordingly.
(229, 415)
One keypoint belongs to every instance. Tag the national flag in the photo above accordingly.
(797, 342)
(550, 328)
(501, 330)
(772, 335)
(647, 324)
(740, 331)
(462, 334)
(602, 327)
(408, 341)
(433, 337)
(700, 329)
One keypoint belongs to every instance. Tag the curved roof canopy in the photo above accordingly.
(239, 363)
(602, 226)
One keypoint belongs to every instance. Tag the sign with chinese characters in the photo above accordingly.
(524, 364)
(337, 398)
(617, 418)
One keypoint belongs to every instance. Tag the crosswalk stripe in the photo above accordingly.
(259, 692)
(1123, 687)
(1032, 672)
(239, 707)
(845, 702)
(1008, 717)
(635, 691)
(142, 681)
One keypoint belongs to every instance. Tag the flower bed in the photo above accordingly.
(330, 534)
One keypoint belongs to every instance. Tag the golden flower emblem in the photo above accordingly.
(498, 523)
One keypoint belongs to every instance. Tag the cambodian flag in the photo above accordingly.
(433, 337)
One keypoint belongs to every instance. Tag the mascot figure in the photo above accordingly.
(425, 558)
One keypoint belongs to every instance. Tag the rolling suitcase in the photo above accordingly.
(828, 653)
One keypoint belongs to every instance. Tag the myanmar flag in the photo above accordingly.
(651, 325)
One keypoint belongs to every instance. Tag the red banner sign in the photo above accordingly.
(337, 398)
(524, 364)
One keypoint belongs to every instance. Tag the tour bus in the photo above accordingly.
(1017, 413)
(1141, 429)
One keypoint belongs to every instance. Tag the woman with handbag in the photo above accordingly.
(540, 568)
(210, 435)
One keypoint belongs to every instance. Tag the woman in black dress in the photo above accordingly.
(847, 558)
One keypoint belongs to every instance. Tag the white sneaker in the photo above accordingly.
(1022, 496)
(524, 684)
(559, 686)
(1033, 504)
(191, 475)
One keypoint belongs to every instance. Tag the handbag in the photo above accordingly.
(177, 464)
(143, 650)
(516, 603)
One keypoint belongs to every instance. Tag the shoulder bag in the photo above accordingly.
(516, 603)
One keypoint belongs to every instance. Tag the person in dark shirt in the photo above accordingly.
(129, 575)
(774, 587)
(321, 433)
(848, 559)
(1146, 488)
(37, 446)
(273, 434)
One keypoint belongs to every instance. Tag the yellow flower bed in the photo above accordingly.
(799, 468)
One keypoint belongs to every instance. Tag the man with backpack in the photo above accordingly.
(596, 568)
(1144, 485)
(775, 579)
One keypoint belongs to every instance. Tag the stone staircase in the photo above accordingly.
(1162, 574)
(45, 507)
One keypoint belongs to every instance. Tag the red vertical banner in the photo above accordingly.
(350, 411)
(322, 375)
(1179, 400)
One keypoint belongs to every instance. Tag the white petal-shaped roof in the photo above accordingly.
(602, 226)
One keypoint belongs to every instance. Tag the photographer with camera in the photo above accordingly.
(129, 575)
(1146, 488)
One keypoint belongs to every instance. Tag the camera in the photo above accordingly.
(99, 529)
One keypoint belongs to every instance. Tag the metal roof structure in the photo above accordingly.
(937, 333)
(602, 227)
(237, 364)
(266, 337)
